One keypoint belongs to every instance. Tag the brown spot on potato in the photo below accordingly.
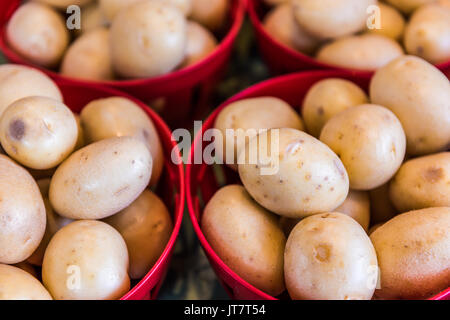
(332, 189)
(308, 177)
(120, 191)
(17, 129)
(434, 174)
(323, 253)
(320, 111)
(340, 135)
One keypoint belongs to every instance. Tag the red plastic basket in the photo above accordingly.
(282, 59)
(202, 179)
(170, 187)
(185, 91)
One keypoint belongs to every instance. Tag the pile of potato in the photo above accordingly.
(74, 195)
(118, 39)
(337, 32)
(360, 194)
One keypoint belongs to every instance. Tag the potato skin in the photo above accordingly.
(38, 132)
(246, 237)
(357, 206)
(147, 218)
(329, 256)
(17, 284)
(370, 141)
(422, 183)
(118, 116)
(392, 22)
(327, 98)
(99, 253)
(310, 178)
(419, 95)
(414, 254)
(101, 179)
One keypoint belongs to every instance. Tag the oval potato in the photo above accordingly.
(392, 23)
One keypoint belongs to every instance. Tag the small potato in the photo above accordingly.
(92, 256)
(38, 132)
(419, 95)
(38, 33)
(17, 82)
(298, 175)
(428, 33)
(146, 227)
(246, 237)
(370, 141)
(17, 284)
(329, 257)
(89, 57)
(357, 206)
(22, 213)
(116, 117)
(212, 14)
(282, 26)
(101, 179)
(63, 4)
(330, 18)
(362, 52)
(408, 6)
(252, 115)
(414, 254)
(381, 207)
(392, 23)
(422, 183)
(200, 43)
(147, 39)
(327, 98)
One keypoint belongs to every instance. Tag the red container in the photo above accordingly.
(282, 59)
(184, 91)
(170, 187)
(202, 179)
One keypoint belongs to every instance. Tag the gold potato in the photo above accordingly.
(392, 23)
(212, 14)
(200, 43)
(91, 18)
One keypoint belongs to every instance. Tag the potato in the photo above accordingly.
(392, 23)
(18, 82)
(357, 206)
(38, 33)
(22, 213)
(331, 19)
(63, 4)
(17, 284)
(408, 6)
(80, 140)
(381, 207)
(362, 52)
(328, 97)
(414, 254)
(86, 260)
(419, 95)
(89, 57)
(374, 228)
(91, 18)
(251, 115)
(330, 257)
(428, 33)
(282, 26)
(146, 227)
(246, 237)
(38, 132)
(200, 43)
(212, 14)
(148, 39)
(300, 177)
(422, 183)
(117, 116)
(370, 141)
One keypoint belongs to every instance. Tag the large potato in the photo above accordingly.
(414, 254)
(212, 14)
(428, 33)
(22, 213)
(327, 98)
(246, 237)
(116, 117)
(330, 257)
(246, 117)
(86, 260)
(17, 82)
(17, 284)
(408, 6)
(38, 132)
(331, 18)
(200, 43)
(38, 33)
(300, 176)
(392, 23)
(419, 95)
(422, 183)
(381, 207)
(146, 227)
(370, 141)
(362, 52)
(101, 179)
